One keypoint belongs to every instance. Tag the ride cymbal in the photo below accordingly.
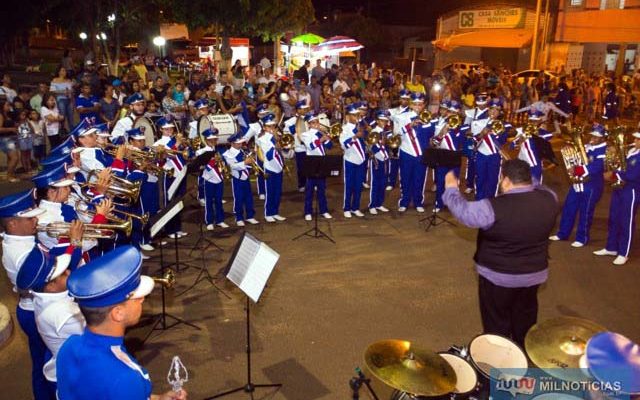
(404, 367)
(556, 345)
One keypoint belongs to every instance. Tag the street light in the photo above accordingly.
(83, 36)
(101, 36)
(111, 18)
(160, 42)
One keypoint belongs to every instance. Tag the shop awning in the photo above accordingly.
(504, 38)
(599, 26)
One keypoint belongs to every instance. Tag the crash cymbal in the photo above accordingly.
(404, 367)
(557, 344)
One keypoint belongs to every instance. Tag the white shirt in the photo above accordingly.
(311, 141)
(211, 172)
(340, 83)
(239, 169)
(53, 128)
(265, 142)
(400, 116)
(9, 93)
(265, 63)
(15, 250)
(121, 127)
(354, 151)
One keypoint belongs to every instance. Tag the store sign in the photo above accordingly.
(483, 19)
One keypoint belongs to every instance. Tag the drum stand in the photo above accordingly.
(356, 383)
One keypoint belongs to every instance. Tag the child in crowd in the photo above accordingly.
(25, 140)
(38, 129)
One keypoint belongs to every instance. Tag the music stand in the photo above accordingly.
(316, 167)
(157, 224)
(434, 158)
(249, 268)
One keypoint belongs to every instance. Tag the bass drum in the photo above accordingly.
(225, 123)
(148, 128)
(324, 119)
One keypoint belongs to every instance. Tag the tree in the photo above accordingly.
(20, 16)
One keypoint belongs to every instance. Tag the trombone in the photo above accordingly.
(425, 116)
(91, 231)
(254, 164)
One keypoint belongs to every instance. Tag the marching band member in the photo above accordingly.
(255, 128)
(447, 138)
(18, 217)
(352, 142)
(583, 197)
(149, 200)
(413, 173)
(297, 127)
(379, 165)
(96, 364)
(394, 163)
(623, 208)
(272, 165)
(202, 111)
(240, 165)
(488, 158)
(213, 183)
(57, 316)
(137, 106)
(317, 142)
(528, 151)
(365, 125)
(476, 118)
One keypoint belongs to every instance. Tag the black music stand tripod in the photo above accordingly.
(319, 167)
(434, 158)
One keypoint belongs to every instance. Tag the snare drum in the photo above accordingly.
(491, 354)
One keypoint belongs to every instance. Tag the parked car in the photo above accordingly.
(465, 67)
(531, 74)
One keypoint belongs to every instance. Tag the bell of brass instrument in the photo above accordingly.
(222, 166)
(394, 141)
(168, 280)
(425, 116)
(333, 131)
(91, 231)
(454, 121)
(616, 155)
(497, 126)
(286, 141)
(574, 154)
(372, 139)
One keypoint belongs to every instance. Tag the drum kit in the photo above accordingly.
(559, 347)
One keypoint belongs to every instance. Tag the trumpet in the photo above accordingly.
(90, 214)
(394, 141)
(454, 121)
(286, 140)
(333, 131)
(254, 164)
(168, 280)
(425, 116)
(160, 151)
(91, 231)
(372, 139)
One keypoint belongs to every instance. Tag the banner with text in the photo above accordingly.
(484, 19)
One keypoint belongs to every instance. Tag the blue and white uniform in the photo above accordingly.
(240, 185)
(530, 154)
(394, 162)
(354, 163)
(378, 170)
(297, 126)
(453, 140)
(273, 165)
(488, 158)
(477, 119)
(315, 148)
(213, 184)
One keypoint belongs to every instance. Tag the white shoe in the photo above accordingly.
(223, 225)
(402, 209)
(253, 221)
(224, 201)
(327, 216)
(210, 227)
(420, 209)
(373, 211)
(301, 190)
(147, 247)
(240, 223)
(577, 244)
(383, 209)
(279, 217)
(468, 190)
(201, 202)
(366, 185)
(144, 256)
(554, 238)
(308, 217)
(163, 243)
(261, 197)
(173, 236)
(388, 188)
(601, 252)
(182, 234)
(268, 219)
(358, 213)
(620, 260)
(347, 214)
(436, 210)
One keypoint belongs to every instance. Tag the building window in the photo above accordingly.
(576, 3)
(611, 4)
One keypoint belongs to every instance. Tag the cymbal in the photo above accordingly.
(404, 367)
(556, 345)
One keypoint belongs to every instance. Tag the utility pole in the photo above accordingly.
(534, 44)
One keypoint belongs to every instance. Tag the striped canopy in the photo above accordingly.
(337, 44)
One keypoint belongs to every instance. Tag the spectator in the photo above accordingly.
(109, 107)
(118, 94)
(303, 72)
(36, 100)
(8, 139)
(140, 69)
(21, 101)
(265, 63)
(25, 139)
(227, 103)
(315, 92)
(87, 105)
(52, 120)
(90, 75)
(67, 62)
(6, 90)
(158, 92)
(318, 71)
(38, 128)
(62, 88)
(238, 75)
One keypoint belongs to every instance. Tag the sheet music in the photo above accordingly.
(157, 227)
(252, 266)
(176, 183)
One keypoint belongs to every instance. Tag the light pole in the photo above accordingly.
(83, 36)
(160, 42)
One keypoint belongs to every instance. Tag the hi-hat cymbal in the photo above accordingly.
(557, 344)
(404, 367)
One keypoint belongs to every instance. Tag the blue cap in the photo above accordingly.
(445, 104)
(382, 114)
(56, 177)
(210, 133)
(417, 98)
(405, 94)
(455, 106)
(202, 103)
(135, 134)
(269, 119)
(236, 138)
(134, 98)
(165, 123)
(352, 109)
(301, 104)
(65, 147)
(598, 130)
(102, 129)
(21, 204)
(535, 115)
(363, 105)
(39, 268)
(262, 108)
(110, 279)
(55, 160)
(495, 103)
(611, 358)
(116, 82)
(85, 127)
(310, 116)
(482, 98)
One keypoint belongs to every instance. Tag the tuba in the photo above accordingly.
(574, 154)
(616, 156)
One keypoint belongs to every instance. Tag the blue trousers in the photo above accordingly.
(260, 184)
(536, 173)
(622, 221)
(378, 172)
(273, 194)
(487, 175)
(353, 180)
(149, 203)
(413, 176)
(38, 351)
(320, 185)
(581, 205)
(213, 211)
(200, 188)
(302, 180)
(441, 172)
(470, 174)
(394, 168)
(242, 199)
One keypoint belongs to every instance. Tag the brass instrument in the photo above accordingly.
(454, 121)
(333, 131)
(497, 126)
(574, 154)
(168, 280)
(258, 170)
(129, 192)
(528, 131)
(91, 231)
(616, 155)
(90, 214)
(372, 139)
(286, 140)
(161, 151)
(425, 116)
(222, 166)
(394, 141)
(195, 143)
